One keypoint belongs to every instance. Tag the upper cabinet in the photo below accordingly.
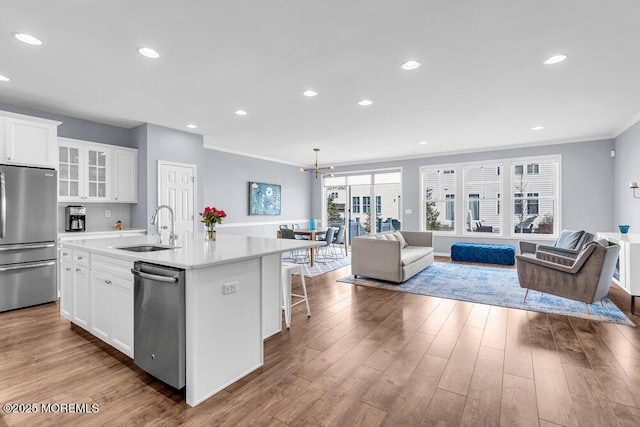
(125, 175)
(92, 172)
(28, 141)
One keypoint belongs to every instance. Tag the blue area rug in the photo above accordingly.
(493, 286)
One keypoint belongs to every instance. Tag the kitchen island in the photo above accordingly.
(224, 331)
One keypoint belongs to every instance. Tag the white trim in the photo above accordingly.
(261, 223)
(444, 254)
(632, 121)
(195, 185)
(37, 119)
(245, 154)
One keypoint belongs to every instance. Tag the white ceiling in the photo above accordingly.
(482, 83)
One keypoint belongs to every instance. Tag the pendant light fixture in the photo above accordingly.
(315, 165)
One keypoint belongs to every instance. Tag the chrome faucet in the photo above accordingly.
(173, 237)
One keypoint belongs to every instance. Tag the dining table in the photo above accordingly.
(313, 234)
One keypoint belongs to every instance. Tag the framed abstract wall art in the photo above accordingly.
(264, 199)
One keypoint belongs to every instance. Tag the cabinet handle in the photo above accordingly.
(64, 254)
(68, 269)
(108, 282)
(78, 270)
(80, 257)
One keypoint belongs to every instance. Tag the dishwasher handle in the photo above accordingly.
(154, 277)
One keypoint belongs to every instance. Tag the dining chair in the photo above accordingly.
(297, 227)
(295, 255)
(325, 251)
(338, 240)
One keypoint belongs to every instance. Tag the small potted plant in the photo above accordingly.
(210, 217)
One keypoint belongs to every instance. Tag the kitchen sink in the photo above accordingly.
(146, 248)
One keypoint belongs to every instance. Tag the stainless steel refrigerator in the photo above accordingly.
(28, 228)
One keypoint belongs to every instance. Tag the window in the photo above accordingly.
(504, 197)
(450, 207)
(474, 206)
(535, 204)
(378, 204)
(517, 203)
(366, 204)
(438, 198)
(533, 168)
(355, 205)
(482, 185)
(532, 203)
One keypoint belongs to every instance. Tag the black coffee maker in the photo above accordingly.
(74, 218)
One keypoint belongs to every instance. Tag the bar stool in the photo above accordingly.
(287, 271)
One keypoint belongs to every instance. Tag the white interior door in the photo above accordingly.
(176, 188)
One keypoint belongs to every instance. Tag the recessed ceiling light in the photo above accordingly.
(412, 64)
(4, 78)
(537, 128)
(241, 113)
(28, 39)
(148, 52)
(310, 92)
(365, 102)
(556, 59)
(191, 126)
(423, 142)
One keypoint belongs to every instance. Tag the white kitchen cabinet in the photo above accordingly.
(29, 141)
(125, 175)
(81, 297)
(66, 290)
(101, 305)
(93, 172)
(122, 337)
(85, 171)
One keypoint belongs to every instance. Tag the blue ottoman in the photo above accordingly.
(482, 252)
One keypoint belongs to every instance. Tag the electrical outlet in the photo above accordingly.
(107, 213)
(230, 288)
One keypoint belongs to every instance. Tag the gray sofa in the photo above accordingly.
(394, 256)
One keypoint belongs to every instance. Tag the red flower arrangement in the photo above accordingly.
(212, 216)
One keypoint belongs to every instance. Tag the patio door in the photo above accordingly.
(365, 203)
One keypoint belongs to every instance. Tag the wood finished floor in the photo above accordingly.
(366, 357)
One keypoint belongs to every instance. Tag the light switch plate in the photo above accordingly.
(408, 211)
(107, 213)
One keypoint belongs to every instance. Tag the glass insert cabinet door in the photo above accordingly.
(69, 174)
(96, 174)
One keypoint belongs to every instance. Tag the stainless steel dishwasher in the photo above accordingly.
(159, 322)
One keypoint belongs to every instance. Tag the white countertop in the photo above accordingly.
(192, 251)
(79, 234)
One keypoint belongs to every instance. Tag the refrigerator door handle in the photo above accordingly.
(3, 206)
(25, 266)
(20, 247)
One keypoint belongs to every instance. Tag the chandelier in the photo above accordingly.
(315, 165)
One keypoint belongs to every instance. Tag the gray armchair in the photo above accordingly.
(569, 244)
(586, 278)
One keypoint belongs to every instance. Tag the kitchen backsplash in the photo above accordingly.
(96, 220)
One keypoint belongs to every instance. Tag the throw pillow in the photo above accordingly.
(400, 238)
(391, 236)
(569, 239)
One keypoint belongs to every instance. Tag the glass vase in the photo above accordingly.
(210, 232)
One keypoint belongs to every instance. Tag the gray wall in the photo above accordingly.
(587, 180)
(77, 128)
(627, 168)
(222, 181)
